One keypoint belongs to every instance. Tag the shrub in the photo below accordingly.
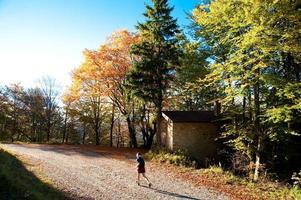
(297, 179)
(179, 157)
(241, 164)
(226, 176)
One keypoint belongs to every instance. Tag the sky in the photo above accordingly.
(47, 37)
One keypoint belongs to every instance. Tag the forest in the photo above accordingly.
(243, 57)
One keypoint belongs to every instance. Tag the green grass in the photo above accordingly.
(16, 182)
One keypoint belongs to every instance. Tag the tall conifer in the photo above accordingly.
(157, 56)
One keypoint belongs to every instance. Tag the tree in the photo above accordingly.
(253, 36)
(49, 87)
(77, 110)
(157, 56)
(14, 114)
(194, 65)
(33, 105)
(23, 114)
(109, 65)
(116, 61)
(86, 92)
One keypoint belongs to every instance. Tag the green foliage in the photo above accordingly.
(291, 93)
(193, 61)
(18, 183)
(179, 157)
(24, 115)
(255, 50)
(193, 66)
(157, 54)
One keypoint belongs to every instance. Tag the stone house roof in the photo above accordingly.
(190, 116)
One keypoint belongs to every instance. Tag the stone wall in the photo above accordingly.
(197, 138)
(166, 134)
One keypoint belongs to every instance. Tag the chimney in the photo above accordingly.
(217, 108)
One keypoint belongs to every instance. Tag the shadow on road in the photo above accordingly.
(16, 182)
(68, 150)
(171, 193)
(92, 151)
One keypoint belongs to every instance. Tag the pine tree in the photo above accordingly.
(157, 56)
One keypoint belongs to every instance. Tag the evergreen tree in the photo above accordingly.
(157, 56)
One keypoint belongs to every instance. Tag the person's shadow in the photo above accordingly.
(171, 193)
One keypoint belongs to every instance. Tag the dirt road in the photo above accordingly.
(87, 172)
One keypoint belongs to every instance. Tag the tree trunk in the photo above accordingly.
(96, 129)
(132, 132)
(48, 131)
(112, 125)
(150, 138)
(119, 134)
(158, 122)
(159, 110)
(67, 136)
(97, 121)
(250, 104)
(244, 109)
(14, 128)
(257, 126)
(65, 126)
(144, 132)
(84, 134)
(144, 126)
(257, 160)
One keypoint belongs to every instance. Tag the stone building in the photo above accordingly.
(194, 131)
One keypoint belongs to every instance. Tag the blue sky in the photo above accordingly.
(47, 37)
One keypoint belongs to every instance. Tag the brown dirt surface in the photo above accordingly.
(217, 183)
(91, 172)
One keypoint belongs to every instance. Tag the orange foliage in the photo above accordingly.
(113, 59)
(103, 71)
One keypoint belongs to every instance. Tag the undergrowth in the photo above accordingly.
(267, 188)
(179, 157)
(264, 188)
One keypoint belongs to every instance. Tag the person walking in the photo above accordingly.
(141, 169)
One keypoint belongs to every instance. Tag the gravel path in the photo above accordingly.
(103, 173)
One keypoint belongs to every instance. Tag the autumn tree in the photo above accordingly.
(109, 65)
(87, 90)
(116, 62)
(76, 109)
